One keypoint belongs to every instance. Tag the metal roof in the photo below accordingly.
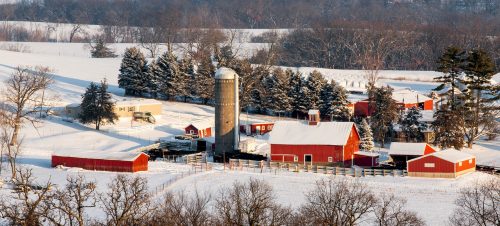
(300, 133)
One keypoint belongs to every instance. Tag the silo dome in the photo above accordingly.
(225, 73)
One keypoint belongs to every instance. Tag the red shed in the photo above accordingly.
(257, 128)
(365, 158)
(442, 164)
(200, 129)
(115, 162)
(314, 142)
(406, 98)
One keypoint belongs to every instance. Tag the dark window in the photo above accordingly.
(308, 158)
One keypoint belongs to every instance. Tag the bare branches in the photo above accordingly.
(390, 211)
(179, 209)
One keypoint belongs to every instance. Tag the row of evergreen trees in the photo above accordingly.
(262, 89)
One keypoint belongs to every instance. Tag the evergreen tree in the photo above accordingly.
(314, 84)
(278, 87)
(170, 76)
(334, 103)
(186, 71)
(155, 79)
(411, 125)
(247, 81)
(451, 65)
(447, 128)
(480, 109)
(205, 80)
(366, 136)
(134, 74)
(296, 92)
(101, 50)
(97, 106)
(386, 113)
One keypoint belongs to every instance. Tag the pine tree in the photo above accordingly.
(278, 88)
(134, 73)
(170, 76)
(97, 106)
(247, 81)
(186, 71)
(155, 79)
(314, 84)
(296, 92)
(386, 113)
(366, 136)
(101, 50)
(205, 80)
(334, 103)
(451, 64)
(411, 125)
(447, 128)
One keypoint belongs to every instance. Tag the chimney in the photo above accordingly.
(313, 117)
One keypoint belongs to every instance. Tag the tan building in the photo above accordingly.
(124, 108)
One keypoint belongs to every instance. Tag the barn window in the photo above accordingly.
(295, 158)
(330, 159)
(131, 109)
(429, 165)
(191, 131)
(308, 158)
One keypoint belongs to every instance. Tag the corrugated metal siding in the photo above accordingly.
(440, 165)
(102, 164)
(428, 149)
(320, 153)
(466, 165)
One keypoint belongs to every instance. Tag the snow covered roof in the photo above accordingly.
(367, 153)
(225, 73)
(300, 133)
(409, 96)
(313, 112)
(446, 89)
(121, 156)
(450, 155)
(73, 105)
(398, 148)
(203, 124)
(135, 102)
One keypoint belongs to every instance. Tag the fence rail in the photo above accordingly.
(196, 168)
(263, 166)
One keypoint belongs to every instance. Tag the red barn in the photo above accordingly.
(405, 98)
(257, 128)
(314, 142)
(200, 129)
(402, 152)
(366, 159)
(442, 164)
(115, 162)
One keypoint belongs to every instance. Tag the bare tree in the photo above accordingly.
(26, 207)
(252, 203)
(127, 201)
(68, 204)
(179, 209)
(75, 29)
(390, 211)
(24, 90)
(478, 205)
(11, 151)
(338, 203)
(150, 39)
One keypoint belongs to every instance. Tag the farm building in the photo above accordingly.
(442, 164)
(402, 152)
(257, 128)
(115, 162)
(405, 98)
(123, 109)
(200, 129)
(366, 159)
(314, 142)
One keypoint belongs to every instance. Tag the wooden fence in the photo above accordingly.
(196, 168)
(275, 167)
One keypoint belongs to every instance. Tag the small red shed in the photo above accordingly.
(115, 162)
(401, 152)
(405, 98)
(442, 164)
(257, 128)
(200, 129)
(366, 158)
(314, 142)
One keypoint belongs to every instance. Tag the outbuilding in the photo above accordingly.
(405, 98)
(200, 129)
(402, 152)
(442, 164)
(366, 159)
(314, 142)
(103, 161)
(257, 128)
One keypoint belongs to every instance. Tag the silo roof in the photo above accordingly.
(225, 73)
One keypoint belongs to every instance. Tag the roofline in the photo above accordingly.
(121, 160)
(411, 160)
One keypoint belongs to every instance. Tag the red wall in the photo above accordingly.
(362, 160)
(361, 109)
(264, 128)
(351, 146)
(139, 164)
(428, 150)
(466, 165)
(440, 165)
(207, 132)
(428, 105)
(188, 129)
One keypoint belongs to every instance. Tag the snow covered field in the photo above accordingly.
(431, 198)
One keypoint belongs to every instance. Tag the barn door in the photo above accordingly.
(308, 159)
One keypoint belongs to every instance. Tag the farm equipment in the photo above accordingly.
(144, 116)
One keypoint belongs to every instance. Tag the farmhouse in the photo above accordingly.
(442, 164)
(115, 162)
(314, 142)
(402, 152)
(200, 129)
(257, 128)
(405, 98)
